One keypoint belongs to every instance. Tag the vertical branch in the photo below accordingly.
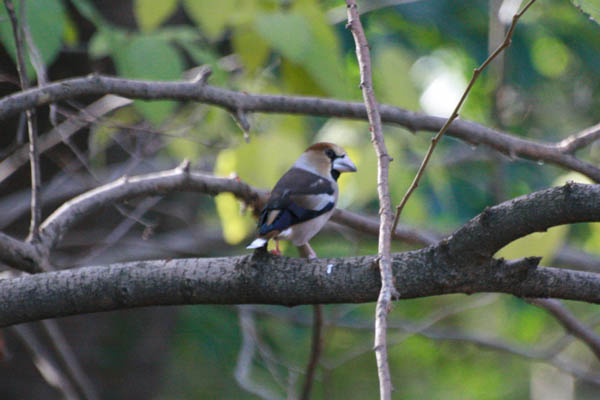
(34, 161)
(316, 346)
(385, 204)
(476, 72)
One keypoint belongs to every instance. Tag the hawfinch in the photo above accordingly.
(304, 198)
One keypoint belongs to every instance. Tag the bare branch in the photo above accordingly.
(384, 300)
(43, 362)
(460, 264)
(582, 139)
(36, 212)
(576, 259)
(63, 131)
(25, 257)
(69, 359)
(371, 226)
(578, 372)
(424, 327)
(470, 132)
(476, 72)
(570, 323)
(18, 254)
(177, 179)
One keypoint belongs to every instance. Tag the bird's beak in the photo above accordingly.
(344, 164)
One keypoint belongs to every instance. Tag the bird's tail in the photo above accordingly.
(258, 242)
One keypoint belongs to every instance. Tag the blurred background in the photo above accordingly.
(484, 346)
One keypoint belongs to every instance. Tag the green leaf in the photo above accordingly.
(589, 7)
(392, 65)
(71, 35)
(106, 41)
(149, 14)
(146, 57)
(211, 16)
(550, 48)
(46, 22)
(303, 37)
(250, 46)
(289, 34)
(89, 11)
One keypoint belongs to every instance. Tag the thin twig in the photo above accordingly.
(69, 359)
(125, 226)
(36, 212)
(425, 327)
(243, 367)
(476, 72)
(43, 362)
(385, 204)
(570, 323)
(63, 131)
(575, 142)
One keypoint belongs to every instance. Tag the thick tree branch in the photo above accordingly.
(26, 257)
(497, 226)
(272, 280)
(18, 254)
(470, 132)
(456, 265)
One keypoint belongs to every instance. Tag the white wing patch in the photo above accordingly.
(259, 242)
(318, 201)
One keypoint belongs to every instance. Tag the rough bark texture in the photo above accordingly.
(461, 263)
(265, 279)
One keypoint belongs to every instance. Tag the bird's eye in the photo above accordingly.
(331, 154)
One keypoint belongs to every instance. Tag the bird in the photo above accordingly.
(303, 199)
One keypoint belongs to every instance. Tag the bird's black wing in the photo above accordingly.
(294, 199)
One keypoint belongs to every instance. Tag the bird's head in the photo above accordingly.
(326, 159)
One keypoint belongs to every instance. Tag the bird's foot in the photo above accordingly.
(276, 252)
